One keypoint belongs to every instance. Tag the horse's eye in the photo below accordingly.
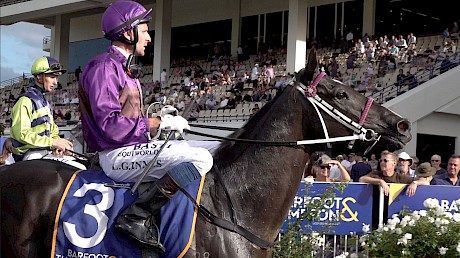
(341, 94)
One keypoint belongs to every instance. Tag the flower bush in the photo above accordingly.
(294, 243)
(426, 233)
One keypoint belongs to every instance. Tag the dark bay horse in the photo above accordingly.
(261, 180)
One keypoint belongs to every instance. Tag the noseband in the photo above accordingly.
(359, 132)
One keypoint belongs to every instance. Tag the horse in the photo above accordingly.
(256, 174)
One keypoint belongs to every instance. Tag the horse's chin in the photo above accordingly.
(390, 143)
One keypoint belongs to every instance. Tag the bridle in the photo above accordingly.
(359, 132)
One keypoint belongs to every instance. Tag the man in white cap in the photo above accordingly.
(404, 164)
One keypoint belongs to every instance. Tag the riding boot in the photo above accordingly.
(139, 220)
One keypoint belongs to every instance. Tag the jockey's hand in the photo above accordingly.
(177, 123)
(154, 123)
(62, 144)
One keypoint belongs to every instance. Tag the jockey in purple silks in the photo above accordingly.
(114, 124)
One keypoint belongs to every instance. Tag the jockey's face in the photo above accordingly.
(143, 39)
(47, 81)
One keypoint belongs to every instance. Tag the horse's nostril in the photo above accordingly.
(403, 126)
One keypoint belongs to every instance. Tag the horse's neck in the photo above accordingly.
(263, 180)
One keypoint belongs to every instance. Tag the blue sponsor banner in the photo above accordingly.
(343, 215)
(398, 200)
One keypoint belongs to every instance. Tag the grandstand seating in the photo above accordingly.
(385, 87)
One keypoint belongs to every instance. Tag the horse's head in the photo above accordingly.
(376, 121)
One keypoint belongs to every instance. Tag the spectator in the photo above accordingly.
(346, 79)
(425, 170)
(346, 163)
(256, 108)
(389, 175)
(445, 34)
(67, 116)
(270, 74)
(411, 39)
(436, 163)
(77, 73)
(373, 162)
(247, 97)
(6, 157)
(211, 103)
(401, 42)
(404, 163)
(180, 105)
(410, 80)
(333, 67)
(240, 54)
(223, 104)
(193, 115)
(2, 129)
(163, 79)
(359, 169)
(351, 59)
(321, 170)
(255, 76)
(349, 38)
(415, 162)
(450, 177)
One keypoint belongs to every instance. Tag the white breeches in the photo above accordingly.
(45, 154)
(127, 164)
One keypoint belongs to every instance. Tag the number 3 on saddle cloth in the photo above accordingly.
(86, 217)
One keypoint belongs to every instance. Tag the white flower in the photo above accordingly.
(422, 213)
(411, 223)
(439, 211)
(366, 228)
(398, 231)
(431, 203)
(408, 236)
(343, 255)
(402, 241)
(457, 203)
(456, 217)
(443, 250)
(458, 247)
(354, 255)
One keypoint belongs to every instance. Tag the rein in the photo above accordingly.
(232, 225)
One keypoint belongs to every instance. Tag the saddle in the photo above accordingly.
(91, 205)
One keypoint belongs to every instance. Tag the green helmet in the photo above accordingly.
(47, 65)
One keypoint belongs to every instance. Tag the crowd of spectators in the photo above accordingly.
(390, 168)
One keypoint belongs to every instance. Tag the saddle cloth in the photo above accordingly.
(89, 208)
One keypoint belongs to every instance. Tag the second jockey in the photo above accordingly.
(33, 130)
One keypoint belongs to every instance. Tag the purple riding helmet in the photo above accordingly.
(121, 16)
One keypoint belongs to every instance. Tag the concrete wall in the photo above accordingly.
(433, 108)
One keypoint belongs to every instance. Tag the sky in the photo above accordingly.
(20, 44)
